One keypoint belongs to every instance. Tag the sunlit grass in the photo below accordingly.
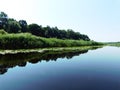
(28, 41)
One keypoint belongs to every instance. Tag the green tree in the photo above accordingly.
(13, 26)
(3, 15)
(3, 20)
(48, 32)
(23, 25)
(36, 29)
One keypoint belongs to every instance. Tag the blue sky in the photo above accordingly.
(99, 19)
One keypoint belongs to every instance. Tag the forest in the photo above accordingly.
(10, 25)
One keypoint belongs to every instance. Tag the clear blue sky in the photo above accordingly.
(99, 19)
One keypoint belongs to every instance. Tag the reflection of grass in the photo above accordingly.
(46, 54)
(40, 50)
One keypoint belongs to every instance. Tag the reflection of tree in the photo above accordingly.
(22, 64)
(55, 55)
(3, 69)
(11, 60)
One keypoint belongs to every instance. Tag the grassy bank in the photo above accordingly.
(28, 41)
(116, 44)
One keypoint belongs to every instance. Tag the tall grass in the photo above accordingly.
(26, 41)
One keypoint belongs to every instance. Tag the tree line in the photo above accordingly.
(11, 25)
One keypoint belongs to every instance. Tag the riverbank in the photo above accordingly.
(29, 41)
(116, 44)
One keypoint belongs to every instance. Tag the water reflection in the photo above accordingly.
(12, 60)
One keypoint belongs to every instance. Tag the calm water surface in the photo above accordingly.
(87, 70)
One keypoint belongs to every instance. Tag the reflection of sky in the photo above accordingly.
(99, 19)
(95, 70)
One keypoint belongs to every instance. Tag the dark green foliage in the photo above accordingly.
(3, 20)
(54, 32)
(36, 30)
(23, 25)
(12, 26)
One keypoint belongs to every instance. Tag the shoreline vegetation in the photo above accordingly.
(116, 44)
(16, 35)
(29, 41)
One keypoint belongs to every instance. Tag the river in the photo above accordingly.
(97, 69)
